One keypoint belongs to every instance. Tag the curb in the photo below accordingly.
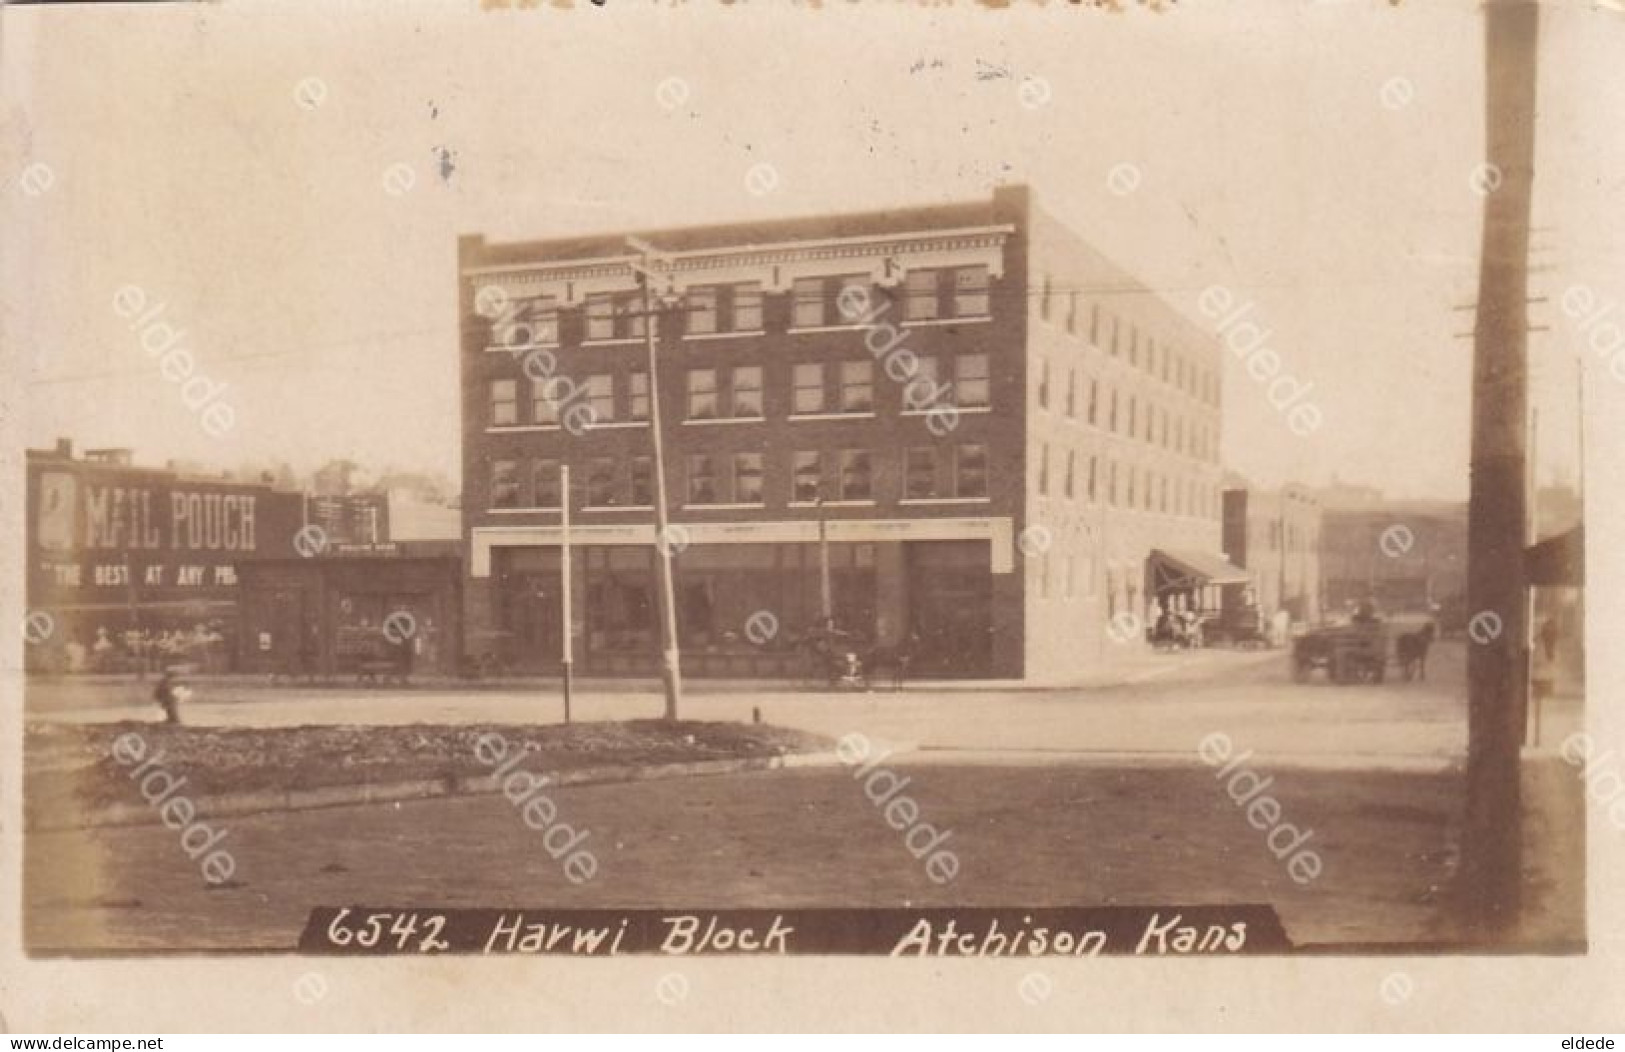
(264, 801)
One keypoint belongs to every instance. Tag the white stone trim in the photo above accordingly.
(997, 530)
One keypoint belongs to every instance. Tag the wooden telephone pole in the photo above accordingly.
(1496, 657)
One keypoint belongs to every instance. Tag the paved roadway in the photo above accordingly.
(1052, 797)
(1168, 705)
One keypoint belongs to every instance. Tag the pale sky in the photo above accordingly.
(1313, 158)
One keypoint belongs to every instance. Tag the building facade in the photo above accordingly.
(1402, 555)
(130, 564)
(1275, 535)
(990, 426)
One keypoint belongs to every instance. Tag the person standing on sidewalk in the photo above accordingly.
(169, 694)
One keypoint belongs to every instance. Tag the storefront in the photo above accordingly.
(331, 615)
(742, 608)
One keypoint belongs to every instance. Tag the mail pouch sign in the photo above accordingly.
(134, 533)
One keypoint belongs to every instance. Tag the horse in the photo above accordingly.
(1412, 650)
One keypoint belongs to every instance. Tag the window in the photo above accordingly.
(857, 387)
(637, 396)
(1112, 417)
(702, 394)
(533, 322)
(600, 318)
(920, 473)
(1072, 393)
(504, 484)
(748, 478)
(643, 482)
(702, 311)
(1072, 312)
(1133, 415)
(601, 483)
(807, 469)
(807, 381)
(504, 402)
(1094, 324)
(1071, 473)
(601, 398)
(1115, 328)
(1094, 468)
(747, 312)
(1044, 304)
(629, 319)
(1094, 402)
(1043, 383)
(1043, 470)
(920, 295)
(1133, 345)
(746, 391)
(1133, 477)
(702, 479)
(971, 380)
(809, 302)
(970, 471)
(544, 404)
(1111, 483)
(970, 292)
(856, 475)
(545, 480)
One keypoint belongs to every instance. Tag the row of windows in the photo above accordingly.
(1123, 339)
(929, 473)
(925, 295)
(1157, 425)
(736, 393)
(1126, 486)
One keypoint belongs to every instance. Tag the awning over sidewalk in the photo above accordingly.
(1176, 570)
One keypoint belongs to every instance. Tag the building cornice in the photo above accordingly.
(884, 258)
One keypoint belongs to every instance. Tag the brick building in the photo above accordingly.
(1275, 535)
(1000, 430)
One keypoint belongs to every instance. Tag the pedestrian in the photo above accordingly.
(169, 694)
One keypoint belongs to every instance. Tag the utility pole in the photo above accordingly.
(826, 604)
(670, 663)
(1496, 661)
(566, 644)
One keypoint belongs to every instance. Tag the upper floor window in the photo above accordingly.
(600, 389)
(970, 292)
(643, 482)
(637, 396)
(1043, 383)
(745, 391)
(545, 481)
(726, 308)
(1094, 401)
(747, 472)
(504, 402)
(815, 300)
(920, 299)
(702, 394)
(1043, 470)
(807, 388)
(968, 384)
(534, 321)
(1071, 472)
(702, 479)
(857, 477)
(702, 311)
(504, 484)
(857, 387)
(1072, 393)
(747, 307)
(807, 476)
(970, 471)
(617, 316)
(601, 488)
(920, 473)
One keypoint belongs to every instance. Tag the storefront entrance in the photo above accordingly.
(950, 601)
